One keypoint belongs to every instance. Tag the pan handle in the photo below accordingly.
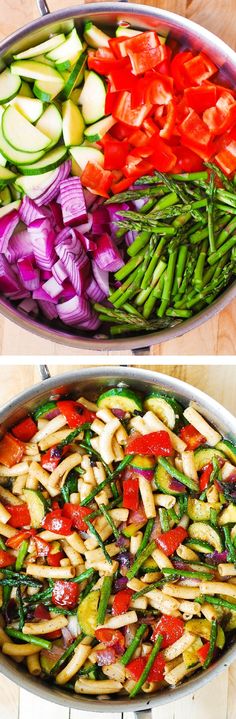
(43, 7)
(44, 371)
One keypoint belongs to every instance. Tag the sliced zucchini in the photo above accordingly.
(190, 656)
(163, 481)
(6, 176)
(8, 208)
(202, 627)
(205, 455)
(33, 70)
(75, 95)
(15, 156)
(125, 31)
(228, 516)
(199, 546)
(75, 77)
(81, 155)
(228, 448)
(92, 98)
(141, 462)
(87, 613)
(41, 48)
(72, 124)
(5, 196)
(94, 36)
(165, 407)
(206, 533)
(120, 398)
(37, 506)
(49, 162)
(131, 529)
(25, 89)
(149, 566)
(200, 511)
(3, 161)
(95, 132)
(21, 134)
(46, 90)
(67, 53)
(30, 107)
(49, 657)
(9, 86)
(50, 123)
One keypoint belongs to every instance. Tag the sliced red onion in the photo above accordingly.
(147, 473)
(102, 278)
(59, 272)
(120, 583)
(101, 220)
(54, 412)
(119, 413)
(106, 255)
(29, 275)
(217, 557)
(140, 202)
(72, 201)
(130, 237)
(43, 296)
(92, 323)
(188, 582)
(8, 224)
(48, 309)
(68, 238)
(19, 246)
(74, 311)
(29, 211)
(67, 637)
(122, 541)
(177, 486)
(86, 227)
(49, 194)
(9, 282)
(52, 287)
(29, 306)
(19, 295)
(77, 269)
(68, 290)
(94, 292)
(89, 198)
(87, 243)
(43, 239)
(125, 559)
(56, 213)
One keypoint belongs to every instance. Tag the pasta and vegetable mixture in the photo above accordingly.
(117, 542)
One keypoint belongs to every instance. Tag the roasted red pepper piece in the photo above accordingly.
(121, 601)
(171, 628)
(203, 652)
(131, 493)
(77, 515)
(169, 541)
(111, 637)
(25, 430)
(6, 559)
(105, 656)
(42, 547)
(65, 594)
(54, 558)
(55, 522)
(41, 612)
(156, 443)
(191, 437)
(75, 413)
(15, 542)
(96, 179)
(156, 674)
(53, 456)
(20, 515)
(205, 477)
(11, 450)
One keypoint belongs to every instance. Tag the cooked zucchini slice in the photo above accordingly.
(206, 533)
(120, 398)
(87, 613)
(205, 455)
(37, 506)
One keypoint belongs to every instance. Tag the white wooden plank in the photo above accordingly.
(212, 696)
(231, 691)
(9, 693)
(77, 714)
(32, 707)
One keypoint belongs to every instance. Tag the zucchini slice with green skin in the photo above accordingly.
(9, 86)
(49, 162)
(5, 196)
(8, 208)
(50, 123)
(228, 516)
(46, 90)
(72, 124)
(67, 52)
(123, 31)
(205, 532)
(95, 132)
(37, 506)
(6, 176)
(200, 511)
(228, 448)
(94, 36)
(88, 612)
(34, 70)
(92, 98)
(21, 134)
(199, 546)
(34, 185)
(41, 48)
(75, 76)
(165, 407)
(163, 482)
(190, 656)
(202, 627)
(30, 107)
(205, 455)
(141, 462)
(81, 155)
(120, 398)
(25, 90)
(16, 156)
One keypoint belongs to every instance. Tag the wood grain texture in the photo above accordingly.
(217, 699)
(218, 336)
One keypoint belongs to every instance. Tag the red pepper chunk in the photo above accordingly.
(122, 601)
(75, 413)
(115, 153)
(54, 558)
(65, 594)
(154, 443)
(199, 68)
(171, 628)
(131, 493)
(19, 537)
(25, 430)
(20, 515)
(192, 438)
(124, 111)
(110, 637)
(55, 522)
(6, 559)
(169, 541)
(11, 450)
(203, 652)
(96, 179)
(77, 515)
(156, 674)
(205, 477)
(201, 98)
(145, 51)
(42, 547)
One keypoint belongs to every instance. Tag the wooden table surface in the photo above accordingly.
(217, 699)
(217, 336)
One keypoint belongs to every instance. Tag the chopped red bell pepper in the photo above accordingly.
(20, 515)
(19, 537)
(222, 117)
(201, 98)
(115, 153)
(123, 184)
(169, 541)
(168, 128)
(145, 51)
(131, 493)
(111, 637)
(110, 101)
(199, 68)
(160, 91)
(121, 77)
(96, 179)
(124, 112)
(11, 450)
(205, 477)
(187, 160)
(194, 129)
(55, 522)
(25, 430)
(105, 656)
(181, 78)
(77, 515)
(56, 634)
(156, 674)
(54, 558)
(6, 559)
(163, 158)
(75, 413)
(203, 652)
(226, 158)
(41, 612)
(192, 438)
(65, 594)
(171, 628)
(156, 443)
(121, 601)
(42, 547)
